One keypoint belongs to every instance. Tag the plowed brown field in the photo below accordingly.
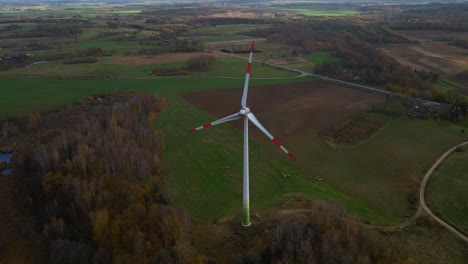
(289, 109)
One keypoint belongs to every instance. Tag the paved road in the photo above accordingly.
(422, 201)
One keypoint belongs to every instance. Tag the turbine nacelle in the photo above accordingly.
(244, 111)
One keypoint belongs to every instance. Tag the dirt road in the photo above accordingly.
(422, 201)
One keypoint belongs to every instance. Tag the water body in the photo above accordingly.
(6, 157)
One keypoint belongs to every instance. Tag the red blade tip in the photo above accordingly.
(192, 130)
(276, 142)
(291, 156)
(252, 46)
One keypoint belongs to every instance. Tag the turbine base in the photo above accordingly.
(246, 225)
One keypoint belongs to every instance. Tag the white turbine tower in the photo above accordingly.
(247, 115)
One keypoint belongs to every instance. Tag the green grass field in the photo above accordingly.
(378, 170)
(183, 154)
(20, 96)
(368, 185)
(226, 30)
(312, 60)
(447, 191)
(205, 40)
(325, 13)
(320, 57)
(104, 68)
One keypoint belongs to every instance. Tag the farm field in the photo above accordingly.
(309, 62)
(163, 58)
(227, 30)
(447, 191)
(141, 66)
(298, 135)
(325, 13)
(361, 154)
(295, 114)
(461, 78)
(55, 93)
(432, 54)
(47, 94)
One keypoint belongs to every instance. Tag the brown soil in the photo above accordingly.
(288, 110)
(461, 78)
(163, 58)
(356, 130)
(431, 54)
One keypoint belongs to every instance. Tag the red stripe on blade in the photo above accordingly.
(206, 125)
(276, 142)
(248, 68)
(252, 46)
(291, 156)
(192, 130)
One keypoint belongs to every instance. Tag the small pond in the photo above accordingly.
(6, 157)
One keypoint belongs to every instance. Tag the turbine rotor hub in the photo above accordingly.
(244, 111)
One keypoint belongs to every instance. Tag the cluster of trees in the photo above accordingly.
(326, 31)
(47, 30)
(92, 176)
(359, 61)
(434, 16)
(196, 63)
(459, 111)
(88, 55)
(325, 234)
(200, 63)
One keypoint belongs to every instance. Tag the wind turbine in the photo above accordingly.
(247, 115)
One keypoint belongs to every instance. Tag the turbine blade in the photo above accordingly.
(217, 122)
(255, 121)
(247, 77)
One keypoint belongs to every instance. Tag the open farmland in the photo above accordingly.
(380, 170)
(461, 78)
(97, 100)
(163, 58)
(433, 53)
(173, 123)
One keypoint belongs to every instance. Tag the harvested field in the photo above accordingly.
(163, 58)
(433, 53)
(289, 109)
